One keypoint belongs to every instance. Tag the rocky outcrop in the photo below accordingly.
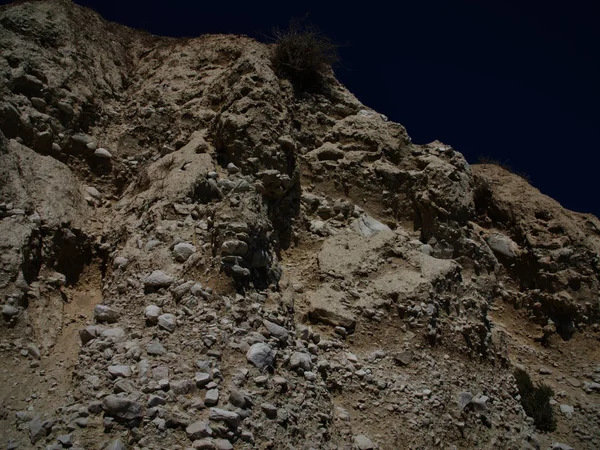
(196, 254)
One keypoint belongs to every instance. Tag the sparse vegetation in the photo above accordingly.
(303, 55)
(536, 401)
(490, 160)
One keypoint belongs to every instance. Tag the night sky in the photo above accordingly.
(517, 81)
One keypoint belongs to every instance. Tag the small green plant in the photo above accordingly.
(536, 401)
(303, 55)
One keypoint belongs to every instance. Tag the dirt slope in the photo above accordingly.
(196, 255)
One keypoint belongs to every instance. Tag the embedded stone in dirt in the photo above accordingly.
(120, 371)
(167, 321)
(115, 444)
(102, 153)
(211, 397)
(182, 251)
(36, 430)
(198, 430)
(261, 355)
(403, 358)
(88, 334)
(230, 417)
(123, 408)
(278, 331)
(103, 313)
(152, 312)
(154, 347)
(300, 360)
(9, 312)
(327, 312)
(362, 442)
(158, 279)
(120, 262)
(367, 226)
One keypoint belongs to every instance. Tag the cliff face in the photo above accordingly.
(195, 255)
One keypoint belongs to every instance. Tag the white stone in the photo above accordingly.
(567, 410)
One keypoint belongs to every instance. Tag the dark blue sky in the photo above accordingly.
(513, 80)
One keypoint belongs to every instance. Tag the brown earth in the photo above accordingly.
(388, 279)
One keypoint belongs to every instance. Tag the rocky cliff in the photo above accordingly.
(196, 255)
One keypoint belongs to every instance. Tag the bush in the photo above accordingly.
(536, 401)
(303, 55)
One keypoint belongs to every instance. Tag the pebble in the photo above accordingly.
(36, 430)
(211, 397)
(182, 251)
(152, 312)
(261, 355)
(120, 371)
(223, 444)
(120, 262)
(278, 331)
(102, 153)
(94, 193)
(301, 360)
(198, 430)
(269, 409)
(158, 279)
(103, 313)
(362, 442)
(154, 347)
(65, 440)
(403, 358)
(167, 322)
(202, 379)
(567, 410)
(236, 398)
(122, 408)
(115, 444)
(232, 168)
(9, 311)
(230, 417)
